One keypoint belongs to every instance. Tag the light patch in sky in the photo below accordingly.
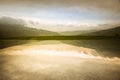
(60, 13)
(75, 13)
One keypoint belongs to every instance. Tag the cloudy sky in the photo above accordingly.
(83, 12)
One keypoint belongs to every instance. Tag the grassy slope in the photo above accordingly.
(20, 30)
(109, 32)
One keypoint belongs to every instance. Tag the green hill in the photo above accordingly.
(15, 28)
(109, 32)
(73, 33)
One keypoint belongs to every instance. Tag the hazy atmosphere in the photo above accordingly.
(59, 39)
(68, 14)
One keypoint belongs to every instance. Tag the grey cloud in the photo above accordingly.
(97, 3)
(110, 6)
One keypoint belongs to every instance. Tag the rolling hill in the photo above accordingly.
(108, 32)
(100, 32)
(15, 28)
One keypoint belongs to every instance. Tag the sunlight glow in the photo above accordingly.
(33, 52)
(57, 50)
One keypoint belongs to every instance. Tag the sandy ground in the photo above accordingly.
(39, 61)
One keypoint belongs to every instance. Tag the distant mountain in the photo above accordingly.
(78, 32)
(108, 32)
(10, 27)
(11, 21)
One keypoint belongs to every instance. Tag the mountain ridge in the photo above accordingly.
(16, 28)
